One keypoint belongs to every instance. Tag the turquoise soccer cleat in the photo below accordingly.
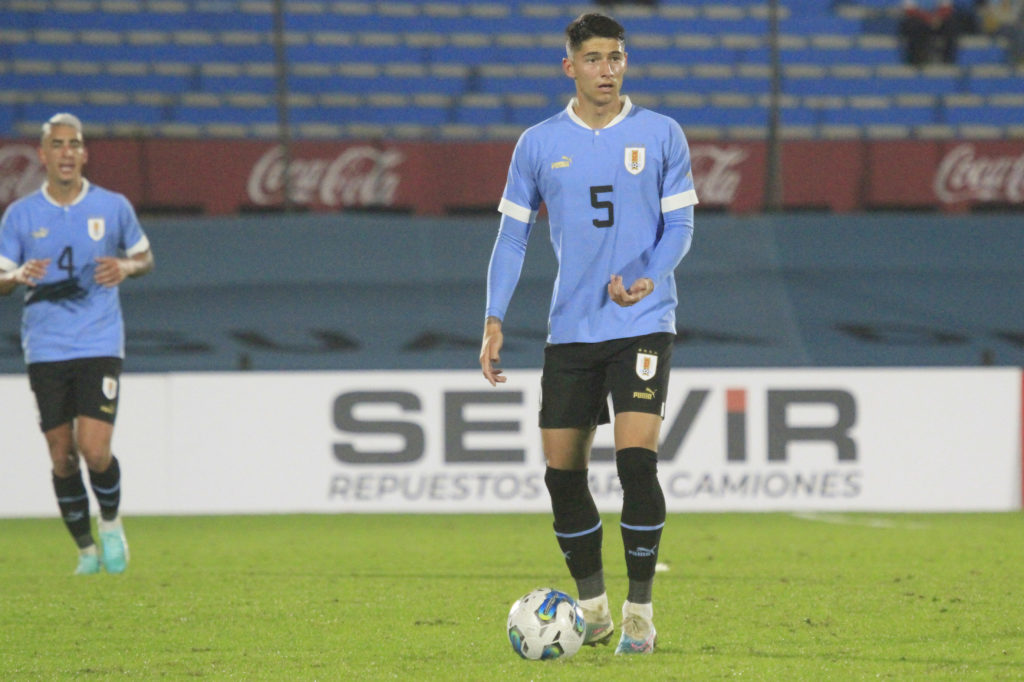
(115, 546)
(88, 563)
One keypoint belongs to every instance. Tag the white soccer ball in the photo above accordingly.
(545, 624)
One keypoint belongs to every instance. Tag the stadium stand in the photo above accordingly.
(480, 69)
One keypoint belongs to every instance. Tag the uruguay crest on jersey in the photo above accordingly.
(97, 228)
(635, 158)
(646, 365)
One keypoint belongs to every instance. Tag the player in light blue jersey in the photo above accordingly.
(71, 244)
(616, 181)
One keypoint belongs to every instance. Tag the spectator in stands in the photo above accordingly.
(966, 14)
(619, 192)
(1005, 19)
(71, 243)
(928, 35)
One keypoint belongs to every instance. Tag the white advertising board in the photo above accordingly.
(422, 441)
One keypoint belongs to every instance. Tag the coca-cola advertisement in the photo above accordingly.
(217, 177)
(360, 176)
(20, 171)
(967, 173)
(717, 172)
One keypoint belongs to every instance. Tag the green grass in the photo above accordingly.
(387, 597)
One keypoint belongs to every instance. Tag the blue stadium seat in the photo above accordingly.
(99, 114)
(799, 116)
(481, 109)
(983, 113)
(884, 113)
(444, 49)
(998, 83)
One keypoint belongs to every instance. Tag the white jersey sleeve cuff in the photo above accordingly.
(6, 264)
(520, 213)
(677, 201)
(140, 246)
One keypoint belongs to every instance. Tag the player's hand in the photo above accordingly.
(112, 271)
(627, 297)
(30, 272)
(490, 352)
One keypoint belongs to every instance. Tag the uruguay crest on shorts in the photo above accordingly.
(109, 387)
(635, 158)
(646, 365)
(97, 228)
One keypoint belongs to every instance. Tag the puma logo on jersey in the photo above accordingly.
(41, 233)
(564, 163)
(644, 395)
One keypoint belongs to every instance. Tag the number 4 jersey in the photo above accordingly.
(67, 315)
(619, 201)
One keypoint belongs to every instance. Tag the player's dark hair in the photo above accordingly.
(591, 25)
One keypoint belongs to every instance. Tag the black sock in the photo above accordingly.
(106, 486)
(643, 517)
(577, 528)
(73, 501)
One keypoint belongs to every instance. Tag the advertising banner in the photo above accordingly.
(431, 441)
(436, 178)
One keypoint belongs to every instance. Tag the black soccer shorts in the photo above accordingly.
(578, 377)
(67, 389)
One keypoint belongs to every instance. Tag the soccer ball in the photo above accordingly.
(544, 624)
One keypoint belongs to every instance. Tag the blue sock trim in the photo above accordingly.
(581, 533)
(629, 527)
(106, 491)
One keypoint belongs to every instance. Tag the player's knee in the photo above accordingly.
(64, 458)
(643, 501)
(571, 501)
(64, 465)
(96, 455)
(564, 485)
(637, 467)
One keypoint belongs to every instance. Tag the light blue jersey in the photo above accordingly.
(67, 315)
(613, 196)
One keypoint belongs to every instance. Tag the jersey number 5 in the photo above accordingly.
(604, 205)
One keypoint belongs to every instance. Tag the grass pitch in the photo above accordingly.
(423, 597)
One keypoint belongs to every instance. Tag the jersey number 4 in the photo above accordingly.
(67, 261)
(595, 191)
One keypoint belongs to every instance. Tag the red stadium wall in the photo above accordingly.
(434, 178)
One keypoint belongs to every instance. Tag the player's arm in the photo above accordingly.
(677, 202)
(138, 256)
(671, 248)
(28, 273)
(503, 273)
(111, 271)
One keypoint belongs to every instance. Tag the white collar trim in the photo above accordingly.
(81, 195)
(626, 106)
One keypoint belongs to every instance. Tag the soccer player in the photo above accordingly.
(71, 244)
(619, 194)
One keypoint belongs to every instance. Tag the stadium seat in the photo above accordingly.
(174, 50)
(995, 110)
(225, 77)
(480, 109)
(994, 79)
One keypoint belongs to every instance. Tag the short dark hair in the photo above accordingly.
(591, 25)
